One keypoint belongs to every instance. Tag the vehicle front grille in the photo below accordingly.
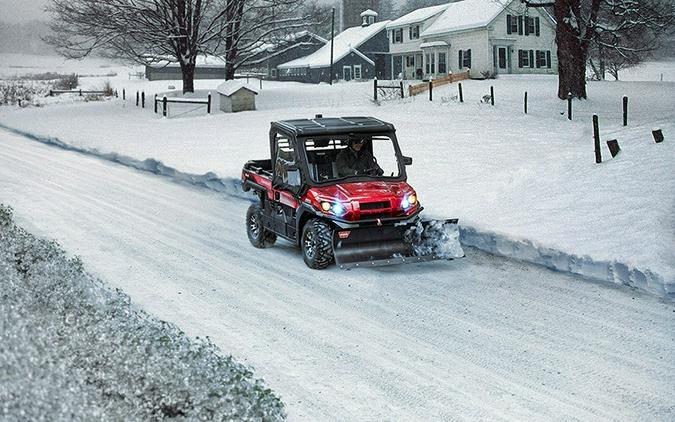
(366, 206)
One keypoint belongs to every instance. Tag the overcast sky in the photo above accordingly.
(22, 10)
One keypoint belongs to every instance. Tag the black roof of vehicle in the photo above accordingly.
(333, 125)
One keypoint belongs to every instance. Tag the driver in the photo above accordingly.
(356, 160)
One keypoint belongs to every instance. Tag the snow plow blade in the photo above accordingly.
(405, 244)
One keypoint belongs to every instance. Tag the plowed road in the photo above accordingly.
(482, 338)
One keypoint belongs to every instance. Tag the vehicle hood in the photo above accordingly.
(370, 191)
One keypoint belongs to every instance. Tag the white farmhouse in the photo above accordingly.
(484, 36)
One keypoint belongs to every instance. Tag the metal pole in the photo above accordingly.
(525, 102)
(569, 106)
(402, 96)
(492, 95)
(208, 105)
(143, 99)
(155, 103)
(431, 91)
(625, 111)
(461, 94)
(332, 36)
(164, 106)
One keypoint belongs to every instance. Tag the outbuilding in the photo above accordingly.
(236, 95)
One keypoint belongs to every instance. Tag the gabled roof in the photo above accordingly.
(344, 42)
(417, 16)
(282, 42)
(228, 88)
(466, 14)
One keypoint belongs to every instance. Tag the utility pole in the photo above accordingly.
(332, 35)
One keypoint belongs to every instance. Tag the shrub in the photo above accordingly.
(67, 82)
(73, 349)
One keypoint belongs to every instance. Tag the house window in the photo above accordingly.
(397, 36)
(465, 58)
(526, 58)
(414, 32)
(409, 61)
(430, 63)
(543, 59)
(274, 73)
(511, 24)
(442, 64)
(357, 71)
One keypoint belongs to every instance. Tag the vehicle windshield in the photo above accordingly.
(337, 157)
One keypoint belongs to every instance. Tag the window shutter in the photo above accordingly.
(461, 59)
(508, 24)
(531, 58)
(520, 58)
(468, 58)
(527, 25)
(520, 25)
(538, 55)
(548, 59)
(536, 26)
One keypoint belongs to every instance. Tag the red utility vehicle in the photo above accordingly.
(337, 188)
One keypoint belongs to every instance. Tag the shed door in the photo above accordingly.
(347, 73)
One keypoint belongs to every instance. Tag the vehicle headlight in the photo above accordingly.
(409, 201)
(335, 208)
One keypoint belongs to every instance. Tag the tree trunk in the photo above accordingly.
(188, 70)
(571, 55)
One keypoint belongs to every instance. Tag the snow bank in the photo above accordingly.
(500, 244)
(70, 348)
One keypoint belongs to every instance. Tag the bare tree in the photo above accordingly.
(152, 31)
(607, 24)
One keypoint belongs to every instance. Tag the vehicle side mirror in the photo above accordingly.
(407, 161)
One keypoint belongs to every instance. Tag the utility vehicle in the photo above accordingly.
(366, 216)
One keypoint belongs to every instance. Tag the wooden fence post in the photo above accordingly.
(596, 138)
(625, 110)
(525, 102)
(155, 103)
(401, 83)
(492, 95)
(124, 93)
(138, 96)
(431, 91)
(51, 93)
(208, 104)
(569, 106)
(375, 89)
(461, 95)
(164, 106)
(143, 99)
(80, 92)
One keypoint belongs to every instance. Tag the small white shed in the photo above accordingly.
(236, 96)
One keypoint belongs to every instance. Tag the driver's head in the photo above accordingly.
(356, 143)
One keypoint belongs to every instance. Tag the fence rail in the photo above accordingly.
(454, 77)
(53, 92)
(166, 100)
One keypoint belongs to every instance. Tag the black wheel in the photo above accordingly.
(259, 236)
(317, 244)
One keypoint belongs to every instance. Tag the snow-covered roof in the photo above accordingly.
(417, 16)
(369, 12)
(271, 46)
(228, 88)
(344, 42)
(203, 60)
(466, 14)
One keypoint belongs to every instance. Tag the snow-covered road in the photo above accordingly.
(481, 338)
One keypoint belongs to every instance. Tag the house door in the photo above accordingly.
(347, 73)
(503, 60)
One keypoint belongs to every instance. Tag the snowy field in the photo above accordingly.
(527, 182)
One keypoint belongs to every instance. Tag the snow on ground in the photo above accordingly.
(481, 338)
(530, 179)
